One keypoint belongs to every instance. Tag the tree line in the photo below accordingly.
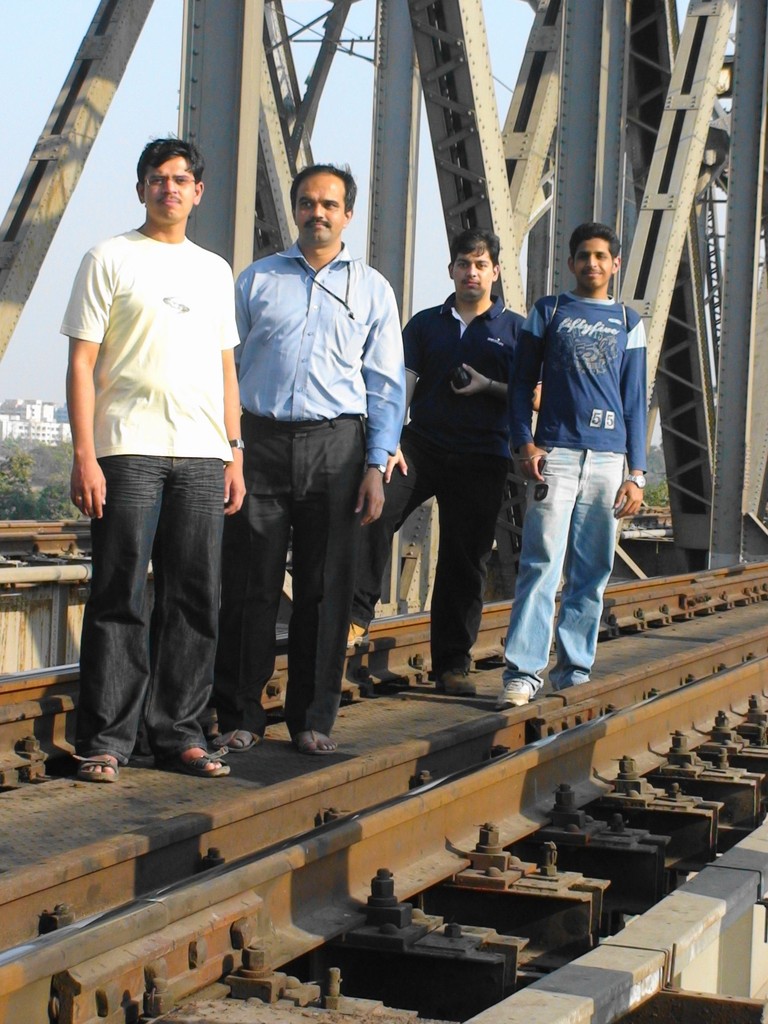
(34, 481)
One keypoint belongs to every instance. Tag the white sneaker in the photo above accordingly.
(513, 695)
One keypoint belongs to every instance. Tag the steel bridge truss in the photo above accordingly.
(617, 115)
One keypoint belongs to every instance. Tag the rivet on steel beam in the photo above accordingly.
(565, 798)
(158, 1000)
(679, 741)
(628, 769)
(673, 791)
(212, 859)
(52, 920)
(254, 959)
(241, 932)
(383, 886)
(328, 814)
(722, 758)
(452, 930)
(547, 864)
(198, 953)
(421, 778)
(489, 839)
(333, 985)
(721, 720)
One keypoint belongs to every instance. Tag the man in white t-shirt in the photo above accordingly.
(154, 407)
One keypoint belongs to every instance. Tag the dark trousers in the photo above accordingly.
(171, 510)
(469, 491)
(302, 481)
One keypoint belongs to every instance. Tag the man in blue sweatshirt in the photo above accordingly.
(589, 352)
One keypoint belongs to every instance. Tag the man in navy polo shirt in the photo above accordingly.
(455, 448)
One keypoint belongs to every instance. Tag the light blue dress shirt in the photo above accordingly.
(317, 345)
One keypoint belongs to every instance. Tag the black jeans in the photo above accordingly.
(469, 490)
(170, 510)
(302, 481)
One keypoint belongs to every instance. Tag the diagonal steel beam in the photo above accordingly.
(59, 156)
(452, 51)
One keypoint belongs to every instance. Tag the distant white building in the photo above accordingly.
(34, 420)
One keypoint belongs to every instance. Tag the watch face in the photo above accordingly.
(638, 479)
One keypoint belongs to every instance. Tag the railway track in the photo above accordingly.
(36, 708)
(514, 867)
(23, 540)
(36, 711)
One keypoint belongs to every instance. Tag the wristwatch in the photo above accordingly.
(237, 443)
(637, 479)
(374, 465)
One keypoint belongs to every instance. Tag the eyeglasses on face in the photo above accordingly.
(161, 180)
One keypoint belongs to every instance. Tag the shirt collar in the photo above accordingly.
(295, 253)
(496, 309)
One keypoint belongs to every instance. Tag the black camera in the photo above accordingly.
(460, 378)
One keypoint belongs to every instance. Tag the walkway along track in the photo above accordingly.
(36, 708)
(285, 901)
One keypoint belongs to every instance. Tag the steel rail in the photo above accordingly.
(23, 538)
(396, 652)
(289, 899)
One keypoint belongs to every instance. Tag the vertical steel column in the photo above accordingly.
(757, 493)
(577, 138)
(394, 157)
(735, 460)
(611, 105)
(220, 88)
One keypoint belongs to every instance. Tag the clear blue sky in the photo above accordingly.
(39, 40)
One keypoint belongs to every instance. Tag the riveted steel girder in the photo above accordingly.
(59, 156)
(663, 276)
(454, 65)
(737, 461)
(394, 160)
(532, 116)
(649, 276)
(221, 64)
(576, 156)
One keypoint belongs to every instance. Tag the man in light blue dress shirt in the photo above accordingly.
(322, 386)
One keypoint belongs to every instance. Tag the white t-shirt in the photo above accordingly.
(162, 314)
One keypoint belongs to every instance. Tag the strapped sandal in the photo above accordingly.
(308, 742)
(236, 740)
(198, 766)
(99, 768)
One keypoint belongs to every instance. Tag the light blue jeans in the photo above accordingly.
(569, 531)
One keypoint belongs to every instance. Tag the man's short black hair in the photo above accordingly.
(594, 229)
(350, 187)
(473, 240)
(158, 151)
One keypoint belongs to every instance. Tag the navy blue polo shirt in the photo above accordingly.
(434, 347)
